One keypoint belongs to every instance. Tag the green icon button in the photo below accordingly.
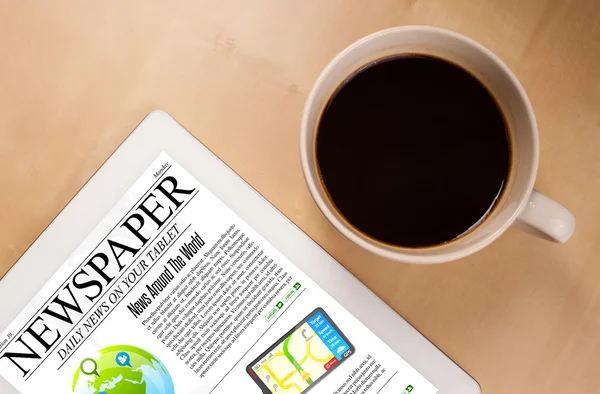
(271, 313)
(289, 294)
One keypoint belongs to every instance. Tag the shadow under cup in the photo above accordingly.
(488, 69)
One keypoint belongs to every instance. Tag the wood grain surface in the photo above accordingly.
(522, 316)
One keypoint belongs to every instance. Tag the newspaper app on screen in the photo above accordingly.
(175, 293)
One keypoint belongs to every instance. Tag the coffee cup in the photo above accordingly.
(520, 204)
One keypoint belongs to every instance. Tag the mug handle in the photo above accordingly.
(548, 217)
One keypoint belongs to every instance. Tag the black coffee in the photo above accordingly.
(413, 150)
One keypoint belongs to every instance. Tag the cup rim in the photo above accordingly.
(434, 254)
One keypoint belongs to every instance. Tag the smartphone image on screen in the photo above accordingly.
(303, 357)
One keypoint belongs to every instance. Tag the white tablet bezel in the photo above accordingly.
(159, 132)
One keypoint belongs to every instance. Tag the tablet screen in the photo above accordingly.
(174, 292)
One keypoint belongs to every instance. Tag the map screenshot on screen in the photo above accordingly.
(305, 355)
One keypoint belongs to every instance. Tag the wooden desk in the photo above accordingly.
(522, 316)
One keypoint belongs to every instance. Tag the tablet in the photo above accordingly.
(267, 335)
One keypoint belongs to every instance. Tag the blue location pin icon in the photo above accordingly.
(123, 359)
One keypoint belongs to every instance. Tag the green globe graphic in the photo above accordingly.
(122, 369)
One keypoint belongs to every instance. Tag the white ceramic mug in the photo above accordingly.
(520, 202)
